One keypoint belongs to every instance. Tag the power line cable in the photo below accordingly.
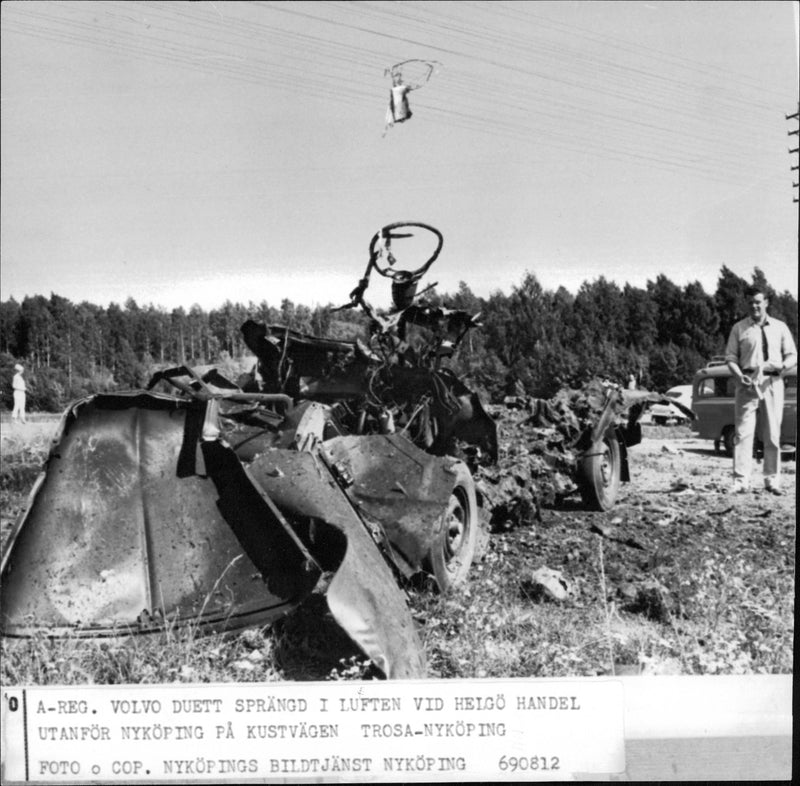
(284, 75)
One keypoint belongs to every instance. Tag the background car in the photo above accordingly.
(713, 403)
(662, 414)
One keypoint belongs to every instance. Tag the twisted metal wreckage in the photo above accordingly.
(222, 505)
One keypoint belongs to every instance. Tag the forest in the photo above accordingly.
(539, 339)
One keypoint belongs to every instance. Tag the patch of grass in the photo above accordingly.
(178, 656)
(745, 626)
(494, 628)
(21, 452)
(22, 457)
(305, 645)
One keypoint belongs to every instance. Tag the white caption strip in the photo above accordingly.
(369, 731)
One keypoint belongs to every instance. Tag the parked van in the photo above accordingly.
(712, 401)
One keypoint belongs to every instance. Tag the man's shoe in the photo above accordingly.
(776, 490)
(740, 487)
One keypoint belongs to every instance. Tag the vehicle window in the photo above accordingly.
(716, 387)
(705, 388)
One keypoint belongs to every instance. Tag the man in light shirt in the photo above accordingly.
(759, 348)
(19, 388)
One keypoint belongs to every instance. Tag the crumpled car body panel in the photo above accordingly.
(140, 524)
(363, 595)
(115, 540)
(398, 486)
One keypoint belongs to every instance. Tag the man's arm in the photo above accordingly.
(732, 356)
(788, 349)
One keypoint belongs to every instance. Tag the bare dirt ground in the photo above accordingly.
(38, 427)
(713, 570)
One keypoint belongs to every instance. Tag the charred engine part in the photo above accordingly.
(392, 384)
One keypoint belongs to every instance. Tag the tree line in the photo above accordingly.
(536, 339)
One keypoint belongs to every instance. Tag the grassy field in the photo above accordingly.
(679, 578)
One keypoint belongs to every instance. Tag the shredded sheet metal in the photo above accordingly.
(363, 595)
(139, 524)
(124, 534)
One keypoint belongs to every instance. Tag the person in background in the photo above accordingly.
(759, 348)
(631, 382)
(20, 389)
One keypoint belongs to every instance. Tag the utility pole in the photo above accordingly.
(795, 116)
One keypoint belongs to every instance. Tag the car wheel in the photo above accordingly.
(455, 537)
(728, 434)
(599, 475)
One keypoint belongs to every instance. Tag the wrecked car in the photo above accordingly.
(218, 504)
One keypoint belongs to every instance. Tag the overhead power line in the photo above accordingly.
(514, 83)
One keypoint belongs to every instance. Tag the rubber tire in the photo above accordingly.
(728, 433)
(599, 475)
(455, 536)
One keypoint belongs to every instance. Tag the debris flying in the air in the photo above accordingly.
(406, 76)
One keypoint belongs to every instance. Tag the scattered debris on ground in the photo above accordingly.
(540, 451)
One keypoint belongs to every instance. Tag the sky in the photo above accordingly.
(193, 153)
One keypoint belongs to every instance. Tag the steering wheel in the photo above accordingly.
(386, 235)
(404, 282)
